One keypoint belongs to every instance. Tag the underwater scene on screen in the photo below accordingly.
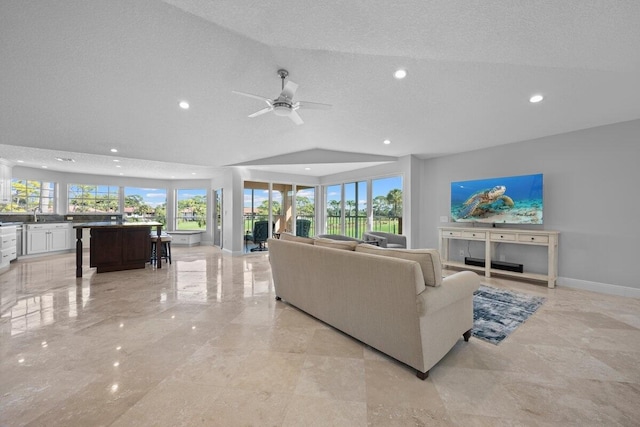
(506, 200)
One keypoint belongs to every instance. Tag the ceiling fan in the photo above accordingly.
(283, 105)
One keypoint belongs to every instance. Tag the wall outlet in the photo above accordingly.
(461, 253)
(444, 219)
(502, 258)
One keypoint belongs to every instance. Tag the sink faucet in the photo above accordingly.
(35, 216)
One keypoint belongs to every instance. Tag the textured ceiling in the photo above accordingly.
(82, 77)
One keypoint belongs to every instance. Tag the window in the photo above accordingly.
(256, 204)
(305, 208)
(28, 195)
(191, 213)
(355, 206)
(93, 198)
(387, 204)
(145, 204)
(333, 209)
(348, 206)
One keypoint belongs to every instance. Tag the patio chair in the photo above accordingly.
(260, 235)
(303, 226)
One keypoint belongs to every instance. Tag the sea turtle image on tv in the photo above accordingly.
(507, 200)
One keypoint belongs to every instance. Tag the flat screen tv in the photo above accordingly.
(506, 200)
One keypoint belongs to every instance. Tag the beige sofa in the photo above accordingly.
(401, 307)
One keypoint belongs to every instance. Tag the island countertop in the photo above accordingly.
(107, 224)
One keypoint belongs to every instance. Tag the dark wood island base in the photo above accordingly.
(116, 247)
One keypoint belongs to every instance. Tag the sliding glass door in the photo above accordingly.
(355, 195)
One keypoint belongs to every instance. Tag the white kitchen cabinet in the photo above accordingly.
(5, 181)
(8, 250)
(48, 237)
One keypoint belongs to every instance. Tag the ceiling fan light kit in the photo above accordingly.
(283, 105)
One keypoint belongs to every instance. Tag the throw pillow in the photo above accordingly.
(336, 244)
(292, 238)
(429, 260)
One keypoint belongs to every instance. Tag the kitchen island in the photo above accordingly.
(116, 246)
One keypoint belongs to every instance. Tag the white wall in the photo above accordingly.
(591, 196)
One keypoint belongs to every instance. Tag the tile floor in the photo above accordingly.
(203, 342)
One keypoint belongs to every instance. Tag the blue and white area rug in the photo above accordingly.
(498, 312)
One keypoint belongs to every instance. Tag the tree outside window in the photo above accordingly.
(387, 204)
(191, 213)
(93, 198)
(27, 195)
(145, 204)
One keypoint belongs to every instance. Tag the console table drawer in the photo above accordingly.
(503, 237)
(533, 238)
(451, 233)
(474, 235)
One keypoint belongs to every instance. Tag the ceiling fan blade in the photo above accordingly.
(261, 112)
(250, 95)
(289, 90)
(312, 105)
(295, 117)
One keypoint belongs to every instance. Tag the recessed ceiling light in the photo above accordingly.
(114, 150)
(20, 161)
(184, 105)
(45, 167)
(386, 142)
(307, 169)
(62, 159)
(118, 166)
(193, 173)
(116, 160)
(400, 74)
(536, 98)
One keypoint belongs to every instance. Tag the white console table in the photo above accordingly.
(490, 236)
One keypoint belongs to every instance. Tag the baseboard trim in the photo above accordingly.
(603, 288)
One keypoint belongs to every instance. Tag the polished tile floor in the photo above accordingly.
(203, 342)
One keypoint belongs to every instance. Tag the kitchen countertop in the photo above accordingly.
(108, 224)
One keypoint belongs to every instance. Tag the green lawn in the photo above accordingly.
(191, 225)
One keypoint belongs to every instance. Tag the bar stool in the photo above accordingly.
(165, 247)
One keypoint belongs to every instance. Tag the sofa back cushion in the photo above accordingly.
(336, 244)
(290, 237)
(429, 260)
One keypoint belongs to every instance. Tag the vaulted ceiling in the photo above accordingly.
(79, 78)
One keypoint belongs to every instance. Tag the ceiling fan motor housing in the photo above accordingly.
(282, 108)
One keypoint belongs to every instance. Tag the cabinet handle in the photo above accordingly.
(533, 238)
(502, 237)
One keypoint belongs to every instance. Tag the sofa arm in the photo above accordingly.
(455, 287)
(398, 239)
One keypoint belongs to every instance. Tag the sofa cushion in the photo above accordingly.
(429, 260)
(292, 238)
(336, 244)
